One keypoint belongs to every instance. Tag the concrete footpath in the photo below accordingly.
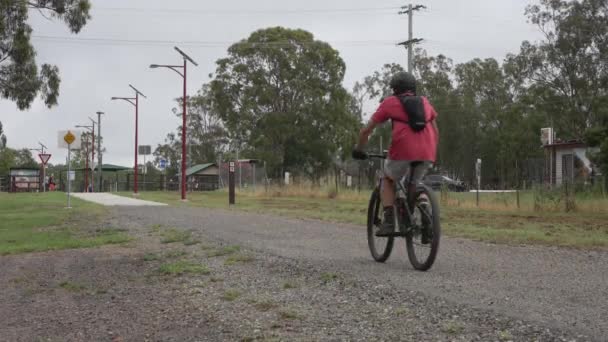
(114, 200)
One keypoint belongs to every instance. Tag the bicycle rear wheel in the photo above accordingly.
(423, 240)
(380, 247)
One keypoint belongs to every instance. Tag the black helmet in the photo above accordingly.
(403, 82)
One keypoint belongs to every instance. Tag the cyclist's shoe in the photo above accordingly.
(388, 224)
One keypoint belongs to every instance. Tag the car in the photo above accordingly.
(437, 182)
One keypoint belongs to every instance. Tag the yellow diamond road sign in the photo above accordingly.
(69, 138)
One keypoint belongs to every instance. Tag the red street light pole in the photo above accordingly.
(135, 102)
(184, 76)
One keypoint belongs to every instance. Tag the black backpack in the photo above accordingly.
(414, 107)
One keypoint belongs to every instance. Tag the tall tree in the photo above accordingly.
(280, 95)
(568, 70)
(20, 79)
(2, 137)
(24, 158)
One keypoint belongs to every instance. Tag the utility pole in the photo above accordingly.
(99, 157)
(409, 44)
(93, 156)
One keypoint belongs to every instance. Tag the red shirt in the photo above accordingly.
(407, 144)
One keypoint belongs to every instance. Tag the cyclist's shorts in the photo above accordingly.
(396, 169)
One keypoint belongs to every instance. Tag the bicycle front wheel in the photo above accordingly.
(380, 247)
(423, 240)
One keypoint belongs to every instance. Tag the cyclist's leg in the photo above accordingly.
(418, 171)
(393, 171)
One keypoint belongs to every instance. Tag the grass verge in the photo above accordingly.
(40, 222)
(498, 220)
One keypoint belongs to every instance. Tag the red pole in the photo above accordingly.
(93, 161)
(136, 133)
(184, 137)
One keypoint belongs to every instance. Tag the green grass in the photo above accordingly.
(231, 295)
(498, 220)
(328, 277)
(174, 235)
(182, 267)
(40, 222)
(72, 287)
(238, 258)
(289, 285)
(504, 335)
(452, 328)
(152, 257)
(288, 315)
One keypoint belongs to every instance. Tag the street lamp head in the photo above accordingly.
(100, 113)
(138, 92)
(114, 98)
(154, 66)
(185, 56)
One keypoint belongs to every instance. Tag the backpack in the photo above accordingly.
(414, 107)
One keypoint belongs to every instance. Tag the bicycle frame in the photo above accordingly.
(407, 214)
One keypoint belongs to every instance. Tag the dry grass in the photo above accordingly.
(498, 218)
(306, 191)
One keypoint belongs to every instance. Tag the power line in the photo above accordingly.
(128, 42)
(365, 10)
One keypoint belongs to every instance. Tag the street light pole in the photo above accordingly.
(93, 156)
(184, 75)
(135, 102)
(99, 158)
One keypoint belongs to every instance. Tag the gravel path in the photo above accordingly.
(294, 280)
(114, 200)
(556, 288)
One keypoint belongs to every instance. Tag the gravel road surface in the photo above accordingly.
(555, 288)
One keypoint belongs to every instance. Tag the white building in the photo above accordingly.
(568, 161)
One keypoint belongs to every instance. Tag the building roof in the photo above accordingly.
(569, 143)
(198, 168)
(109, 167)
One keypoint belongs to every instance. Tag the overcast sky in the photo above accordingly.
(117, 46)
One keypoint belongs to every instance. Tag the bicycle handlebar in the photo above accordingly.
(375, 155)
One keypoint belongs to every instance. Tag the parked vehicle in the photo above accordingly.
(436, 182)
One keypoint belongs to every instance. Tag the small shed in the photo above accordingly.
(24, 180)
(203, 177)
(568, 162)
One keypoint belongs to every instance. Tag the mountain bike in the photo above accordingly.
(421, 227)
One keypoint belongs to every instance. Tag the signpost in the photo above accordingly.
(231, 180)
(69, 138)
(478, 174)
(44, 158)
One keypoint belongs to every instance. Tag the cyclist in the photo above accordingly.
(409, 147)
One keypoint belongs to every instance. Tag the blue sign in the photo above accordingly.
(163, 163)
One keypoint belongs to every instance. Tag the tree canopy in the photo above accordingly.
(280, 94)
(21, 80)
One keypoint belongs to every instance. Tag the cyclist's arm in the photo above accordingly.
(381, 115)
(365, 133)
